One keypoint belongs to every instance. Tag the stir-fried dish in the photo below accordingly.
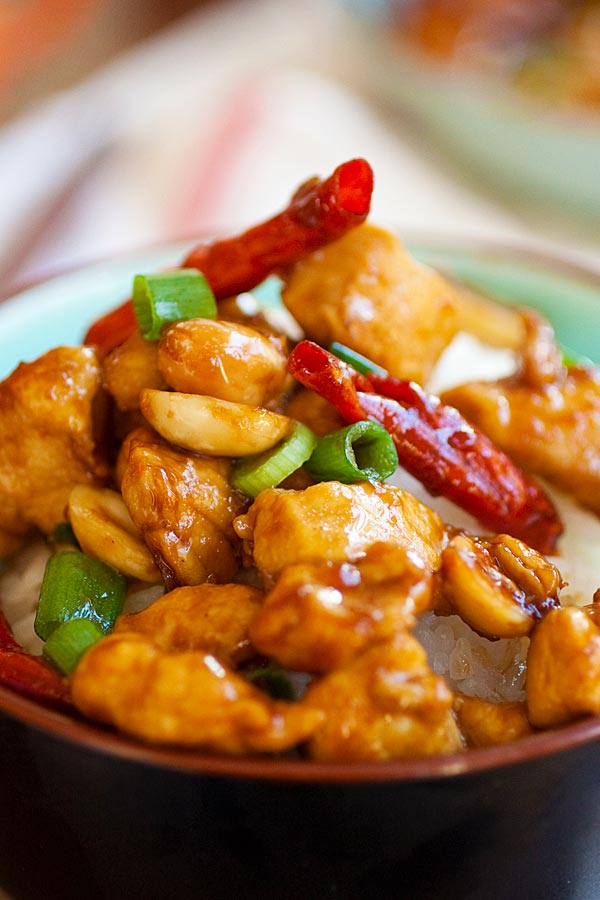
(232, 561)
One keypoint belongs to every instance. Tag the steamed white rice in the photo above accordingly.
(494, 670)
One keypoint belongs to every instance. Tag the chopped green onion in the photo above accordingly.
(64, 534)
(75, 586)
(167, 297)
(266, 470)
(361, 452)
(67, 643)
(274, 682)
(571, 359)
(357, 360)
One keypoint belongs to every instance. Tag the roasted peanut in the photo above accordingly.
(213, 427)
(221, 359)
(499, 587)
(104, 529)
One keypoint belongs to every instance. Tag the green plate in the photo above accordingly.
(59, 310)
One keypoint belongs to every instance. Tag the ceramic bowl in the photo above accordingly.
(86, 813)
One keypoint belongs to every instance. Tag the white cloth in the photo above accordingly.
(209, 127)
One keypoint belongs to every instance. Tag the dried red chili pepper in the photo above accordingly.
(319, 212)
(28, 674)
(436, 445)
(112, 329)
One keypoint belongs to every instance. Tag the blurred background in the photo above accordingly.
(129, 124)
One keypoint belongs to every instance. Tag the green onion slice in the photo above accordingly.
(275, 682)
(357, 360)
(266, 470)
(167, 297)
(67, 643)
(64, 535)
(572, 359)
(361, 452)
(75, 586)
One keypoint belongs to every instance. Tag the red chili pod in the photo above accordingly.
(28, 674)
(436, 445)
(319, 212)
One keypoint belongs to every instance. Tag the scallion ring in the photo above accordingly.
(275, 682)
(67, 643)
(255, 474)
(571, 359)
(363, 451)
(167, 297)
(75, 586)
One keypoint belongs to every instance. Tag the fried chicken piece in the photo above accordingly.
(365, 291)
(184, 507)
(320, 615)
(485, 724)
(563, 668)
(189, 699)
(386, 704)
(131, 367)
(546, 418)
(139, 435)
(211, 617)
(337, 522)
(48, 433)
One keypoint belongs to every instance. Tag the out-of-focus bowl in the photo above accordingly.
(536, 158)
(86, 813)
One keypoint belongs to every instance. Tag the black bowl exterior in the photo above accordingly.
(79, 823)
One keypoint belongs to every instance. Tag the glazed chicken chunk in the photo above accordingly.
(185, 698)
(184, 507)
(485, 724)
(386, 704)
(48, 438)
(320, 615)
(365, 291)
(210, 617)
(563, 668)
(222, 359)
(336, 522)
(547, 417)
